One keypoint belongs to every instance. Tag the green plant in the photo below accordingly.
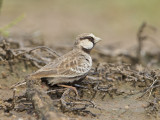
(4, 31)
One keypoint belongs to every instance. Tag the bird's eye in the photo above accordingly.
(87, 37)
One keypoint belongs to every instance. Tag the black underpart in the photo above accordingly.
(45, 80)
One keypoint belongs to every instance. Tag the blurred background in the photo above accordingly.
(60, 21)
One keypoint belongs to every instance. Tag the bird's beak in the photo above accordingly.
(97, 39)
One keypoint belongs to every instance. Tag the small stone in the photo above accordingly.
(20, 118)
(4, 74)
(13, 116)
(23, 70)
(126, 107)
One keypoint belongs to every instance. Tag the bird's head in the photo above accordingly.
(86, 41)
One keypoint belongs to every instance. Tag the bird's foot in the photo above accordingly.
(71, 87)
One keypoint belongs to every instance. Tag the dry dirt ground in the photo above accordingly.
(124, 81)
(124, 86)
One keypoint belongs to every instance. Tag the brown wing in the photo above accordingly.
(72, 64)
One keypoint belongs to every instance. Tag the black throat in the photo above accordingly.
(86, 50)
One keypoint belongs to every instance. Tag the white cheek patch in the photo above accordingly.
(86, 44)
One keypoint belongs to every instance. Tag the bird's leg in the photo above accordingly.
(71, 87)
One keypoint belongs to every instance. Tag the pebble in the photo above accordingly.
(126, 107)
(4, 75)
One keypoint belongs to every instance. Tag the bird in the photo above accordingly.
(72, 66)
